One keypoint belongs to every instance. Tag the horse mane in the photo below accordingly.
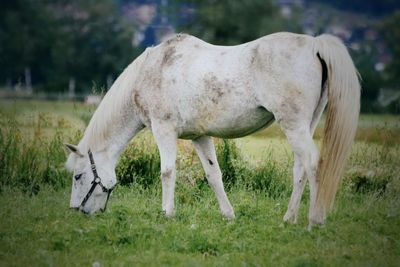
(108, 117)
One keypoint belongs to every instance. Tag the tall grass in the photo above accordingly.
(373, 170)
(230, 162)
(28, 164)
(140, 164)
(32, 156)
(268, 176)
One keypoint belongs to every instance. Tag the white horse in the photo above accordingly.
(186, 88)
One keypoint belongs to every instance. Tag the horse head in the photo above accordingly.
(93, 179)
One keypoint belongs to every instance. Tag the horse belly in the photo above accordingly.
(242, 124)
(230, 125)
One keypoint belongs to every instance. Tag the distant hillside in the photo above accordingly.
(371, 7)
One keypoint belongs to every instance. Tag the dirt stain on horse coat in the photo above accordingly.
(300, 41)
(262, 59)
(254, 54)
(290, 101)
(170, 55)
(214, 87)
(166, 174)
(137, 101)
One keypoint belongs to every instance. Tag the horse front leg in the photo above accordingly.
(206, 152)
(166, 140)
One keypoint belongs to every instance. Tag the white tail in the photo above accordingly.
(341, 118)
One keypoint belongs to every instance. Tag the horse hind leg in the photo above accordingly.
(299, 173)
(300, 139)
(166, 140)
(298, 188)
(206, 151)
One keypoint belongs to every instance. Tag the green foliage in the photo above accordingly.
(391, 33)
(92, 43)
(30, 164)
(228, 158)
(25, 37)
(231, 22)
(267, 177)
(371, 80)
(140, 163)
(59, 40)
(371, 7)
(363, 184)
(374, 169)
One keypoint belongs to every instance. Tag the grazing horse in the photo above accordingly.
(189, 89)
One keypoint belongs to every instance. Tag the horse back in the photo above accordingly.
(214, 90)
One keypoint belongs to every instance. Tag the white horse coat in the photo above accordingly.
(187, 88)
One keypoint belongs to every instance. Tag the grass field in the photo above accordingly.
(38, 229)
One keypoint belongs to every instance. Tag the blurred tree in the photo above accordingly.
(371, 80)
(59, 40)
(372, 7)
(92, 43)
(25, 36)
(391, 33)
(227, 22)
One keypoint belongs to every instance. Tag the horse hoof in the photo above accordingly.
(313, 223)
(315, 219)
(169, 214)
(290, 218)
(229, 215)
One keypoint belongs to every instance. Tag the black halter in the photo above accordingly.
(96, 181)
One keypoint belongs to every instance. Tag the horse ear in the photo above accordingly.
(73, 149)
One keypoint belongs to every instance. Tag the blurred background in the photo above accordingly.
(74, 49)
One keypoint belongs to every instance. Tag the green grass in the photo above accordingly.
(42, 231)
(38, 229)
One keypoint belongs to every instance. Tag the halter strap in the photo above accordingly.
(96, 181)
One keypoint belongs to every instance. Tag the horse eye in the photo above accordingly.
(78, 176)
